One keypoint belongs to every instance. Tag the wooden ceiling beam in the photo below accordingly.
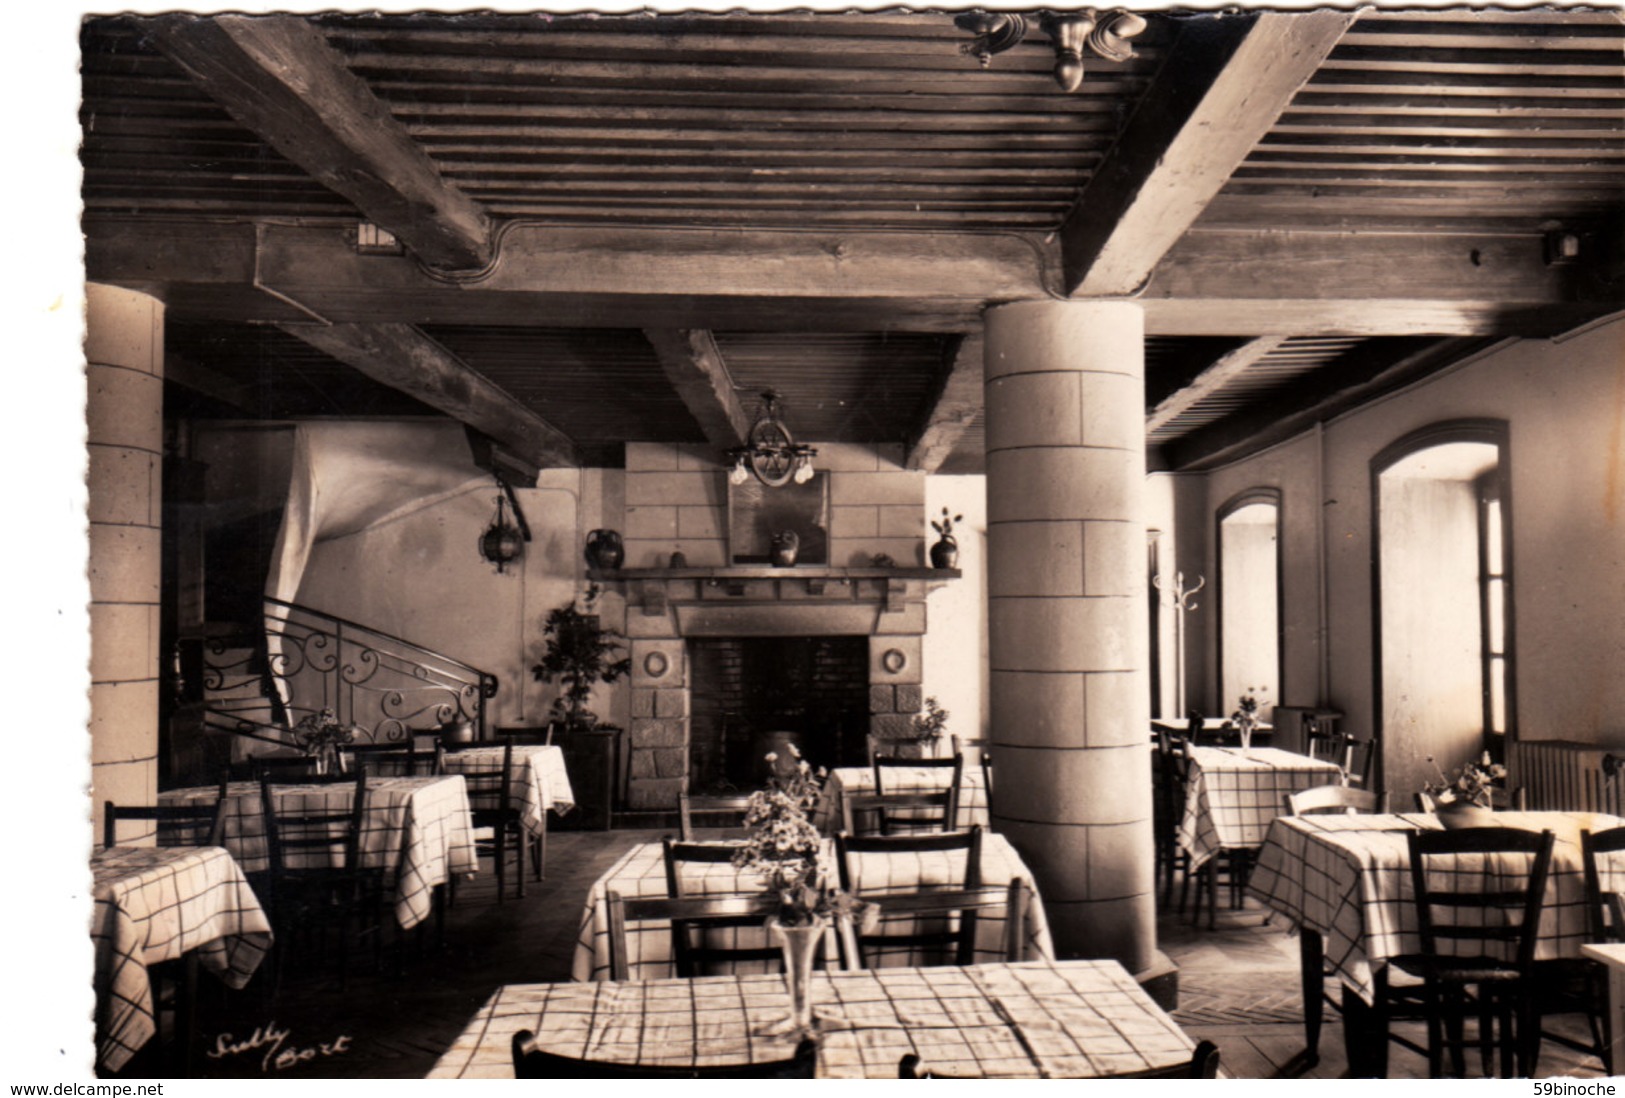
(1226, 369)
(278, 76)
(695, 368)
(1241, 282)
(402, 357)
(953, 408)
(1224, 84)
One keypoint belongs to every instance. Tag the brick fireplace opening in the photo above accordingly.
(748, 695)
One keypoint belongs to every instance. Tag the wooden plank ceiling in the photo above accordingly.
(1494, 126)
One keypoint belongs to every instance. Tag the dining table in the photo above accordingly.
(642, 872)
(1233, 794)
(538, 784)
(827, 814)
(1035, 1019)
(417, 828)
(1343, 881)
(155, 904)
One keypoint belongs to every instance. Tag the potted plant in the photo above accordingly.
(580, 652)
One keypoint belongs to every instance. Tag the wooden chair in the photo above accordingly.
(1009, 902)
(733, 806)
(1356, 758)
(316, 877)
(175, 824)
(1487, 924)
(957, 942)
(1203, 1064)
(695, 947)
(506, 826)
(531, 1062)
(1325, 800)
(700, 913)
(941, 813)
(1579, 985)
(889, 813)
(1171, 775)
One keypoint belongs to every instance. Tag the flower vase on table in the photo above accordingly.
(800, 946)
(1245, 719)
(1464, 798)
(783, 848)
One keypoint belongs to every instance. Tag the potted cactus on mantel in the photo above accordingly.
(580, 653)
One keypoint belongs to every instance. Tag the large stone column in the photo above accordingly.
(1068, 649)
(124, 349)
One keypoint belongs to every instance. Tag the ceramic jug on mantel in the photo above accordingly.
(604, 550)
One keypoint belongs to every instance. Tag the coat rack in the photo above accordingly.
(1179, 598)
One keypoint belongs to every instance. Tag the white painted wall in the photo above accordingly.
(1565, 403)
(955, 643)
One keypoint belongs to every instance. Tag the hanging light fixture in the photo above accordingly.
(771, 451)
(504, 541)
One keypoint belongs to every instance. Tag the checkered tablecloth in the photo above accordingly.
(1233, 793)
(539, 782)
(419, 828)
(642, 872)
(924, 779)
(1348, 877)
(155, 904)
(1074, 1020)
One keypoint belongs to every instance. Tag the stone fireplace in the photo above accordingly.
(685, 622)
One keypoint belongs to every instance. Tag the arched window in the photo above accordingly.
(1249, 598)
(1441, 528)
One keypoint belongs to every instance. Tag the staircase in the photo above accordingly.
(254, 685)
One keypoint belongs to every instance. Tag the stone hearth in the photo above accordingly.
(667, 606)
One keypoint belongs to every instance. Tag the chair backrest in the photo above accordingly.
(888, 780)
(1605, 909)
(1203, 1064)
(1010, 901)
(1328, 799)
(848, 847)
(676, 853)
(987, 772)
(1355, 757)
(292, 831)
(488, 785)
(530, 1062)
(393, 758)
(282, 767)
(697, 913)
(176, 824)
(527, 734)
(1453, 909)
(688, 807)
(895, 813)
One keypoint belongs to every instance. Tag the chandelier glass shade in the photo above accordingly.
(771, 452)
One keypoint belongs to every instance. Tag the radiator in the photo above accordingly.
(1564, 775)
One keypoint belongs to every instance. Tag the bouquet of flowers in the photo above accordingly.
(1246, 718)
(945, 525)
(1469, 783)
(783, 846)
(320, 733)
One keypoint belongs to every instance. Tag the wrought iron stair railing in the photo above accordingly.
(303, 661)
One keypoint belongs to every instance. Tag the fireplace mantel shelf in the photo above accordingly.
(769, 572)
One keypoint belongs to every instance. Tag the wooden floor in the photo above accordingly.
(1238, 986)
